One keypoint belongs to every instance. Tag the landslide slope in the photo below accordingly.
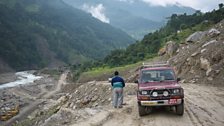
(199, 58)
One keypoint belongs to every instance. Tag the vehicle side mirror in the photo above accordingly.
(178, 79)
(136, 81)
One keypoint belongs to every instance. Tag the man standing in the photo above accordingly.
(118, 85)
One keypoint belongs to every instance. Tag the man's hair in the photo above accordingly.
(116, 73)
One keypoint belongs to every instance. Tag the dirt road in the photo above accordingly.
(61, 82)
(204, 106)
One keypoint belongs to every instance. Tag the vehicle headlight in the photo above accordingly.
(165, 93)
(154, 94)
(176, 91)
(144, 92)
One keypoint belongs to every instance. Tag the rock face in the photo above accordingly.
(197, 36)
(202, 60)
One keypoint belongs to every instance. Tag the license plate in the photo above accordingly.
(172, 101)
(149, 103)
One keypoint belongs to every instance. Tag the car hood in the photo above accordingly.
(158, 85)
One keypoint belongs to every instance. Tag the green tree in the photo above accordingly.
(221, 5)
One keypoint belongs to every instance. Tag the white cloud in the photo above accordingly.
(129, 1)
(203, 5)
(97, 11)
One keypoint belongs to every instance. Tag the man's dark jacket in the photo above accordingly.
(117, 82)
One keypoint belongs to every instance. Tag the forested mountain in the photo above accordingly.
(135, 17)
(39, 33)
(177, 29)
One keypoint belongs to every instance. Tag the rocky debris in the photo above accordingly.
(89, 95)
(9, 103)
(195, 37)
(92, 95)
(205, 58)
(84, 102)
(213, 32)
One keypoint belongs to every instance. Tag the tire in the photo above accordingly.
(143, 110)
(180, 109)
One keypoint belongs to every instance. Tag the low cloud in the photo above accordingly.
(97, 11)
(129, 1)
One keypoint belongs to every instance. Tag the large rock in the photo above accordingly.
(205, 65)
(197, 36)
(208, 43)
(213, 32)
(171, 48)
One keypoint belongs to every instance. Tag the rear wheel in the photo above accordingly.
(143, 110)
(180, 109)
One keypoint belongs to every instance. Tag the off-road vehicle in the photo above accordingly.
(158, 86)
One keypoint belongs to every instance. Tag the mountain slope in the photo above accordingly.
(128, 16)
(38, 33)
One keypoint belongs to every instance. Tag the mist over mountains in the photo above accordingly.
(48, 33)
(134, 17)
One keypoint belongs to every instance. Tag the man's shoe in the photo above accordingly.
(115, 106)
(120, 106)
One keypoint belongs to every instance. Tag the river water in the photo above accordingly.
(24, 77)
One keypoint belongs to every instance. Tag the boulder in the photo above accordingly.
(197, 36)
(208, 43)
(195, 54)
(213, 32)
(171, 48)
(205, 65)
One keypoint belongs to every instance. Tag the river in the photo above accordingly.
(24, 77)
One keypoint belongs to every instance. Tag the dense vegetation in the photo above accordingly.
(36, 33)
(177, 29)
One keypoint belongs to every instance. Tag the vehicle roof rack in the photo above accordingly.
(155, 64)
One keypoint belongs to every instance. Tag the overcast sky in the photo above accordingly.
(203, 5)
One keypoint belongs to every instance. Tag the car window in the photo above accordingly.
(157, 75)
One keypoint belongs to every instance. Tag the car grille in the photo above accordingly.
(160, 94)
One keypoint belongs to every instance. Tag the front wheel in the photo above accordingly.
(143, 110)
(180, 109)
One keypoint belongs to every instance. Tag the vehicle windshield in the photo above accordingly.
(157, 75)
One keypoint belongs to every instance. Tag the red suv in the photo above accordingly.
(158, 86)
